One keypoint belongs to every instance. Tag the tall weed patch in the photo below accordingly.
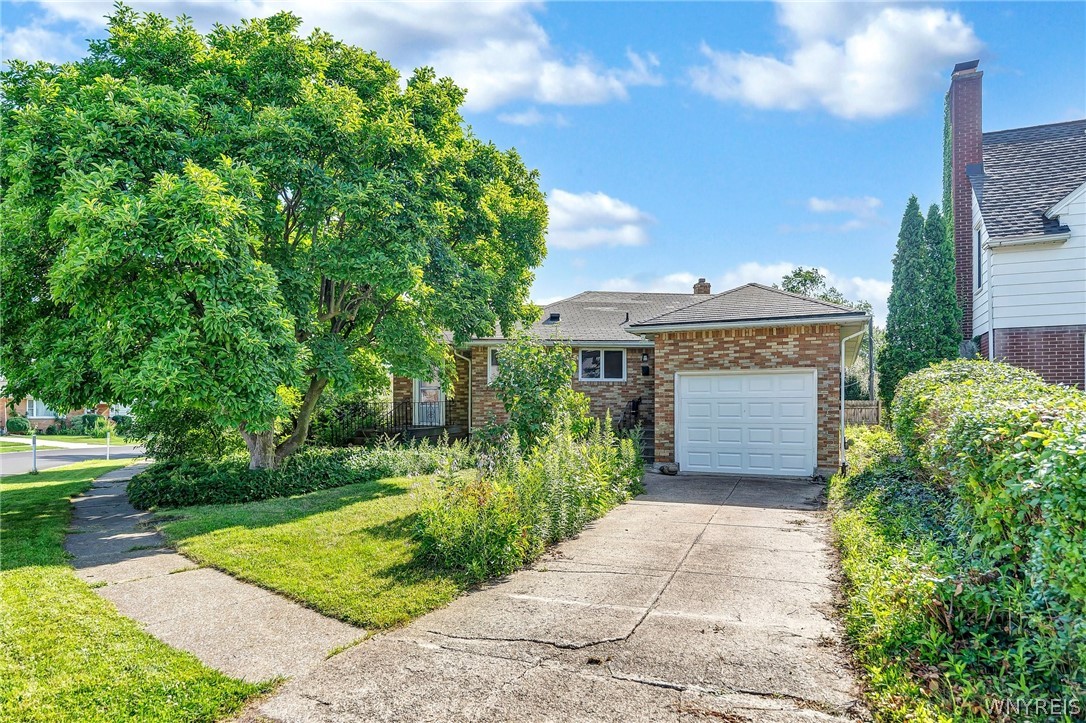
(518, 502)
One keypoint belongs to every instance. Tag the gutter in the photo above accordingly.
(838, 319)
(841, 443)
(1029, 240)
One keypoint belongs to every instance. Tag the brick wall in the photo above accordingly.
(795, 347)
(984, 351)
(456, 407)
(40, 423)
(966, 134)
(1054, 352)
(603, 396)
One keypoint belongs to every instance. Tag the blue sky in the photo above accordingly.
(677, 140)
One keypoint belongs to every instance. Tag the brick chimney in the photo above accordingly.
(702, 287)
(966, 148)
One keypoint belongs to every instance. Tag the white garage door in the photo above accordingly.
(750, 423)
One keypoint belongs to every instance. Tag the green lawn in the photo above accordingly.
(65, 653)
(20, 447)
(76, 438)
(347, 552)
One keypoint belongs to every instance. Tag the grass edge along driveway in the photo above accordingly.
(348, 552)
(65, 653)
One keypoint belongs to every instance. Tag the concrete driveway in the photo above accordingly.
(707, 598)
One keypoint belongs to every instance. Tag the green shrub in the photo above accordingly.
(85, 423)
(123, 424)
(535, 386)
(997, 458)
(101, 427)
(18, 425)
(517, 503)
(170, 434)
(186, 482)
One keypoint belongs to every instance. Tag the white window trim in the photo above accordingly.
(491, 372)
(601, 350)
(978, 248)
(31, 401)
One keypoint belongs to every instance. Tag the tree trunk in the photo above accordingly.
(263, 452)
(305, 416)
(261, 448)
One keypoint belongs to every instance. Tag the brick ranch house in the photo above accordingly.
(744, 381)
(1019, 200)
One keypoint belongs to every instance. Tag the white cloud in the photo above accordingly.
(36, 42)
(533, 117)
(581, 220)
(856, 288)
(855, 60)
(497, 50)
(860, 207)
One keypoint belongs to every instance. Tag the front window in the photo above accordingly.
(492, 365)
(599, 365)
(37, 410)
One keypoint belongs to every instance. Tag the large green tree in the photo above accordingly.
(942, 314)
(905, 351)
(223, 222)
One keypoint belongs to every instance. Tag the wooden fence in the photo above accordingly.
(862, 412)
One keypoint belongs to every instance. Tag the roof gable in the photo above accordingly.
(1026, 171)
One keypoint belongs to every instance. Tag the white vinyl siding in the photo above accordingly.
(601, 365)
(1042, 285)
(763, 423)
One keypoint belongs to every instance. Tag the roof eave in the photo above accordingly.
(839, 319)
(1028, 240)
(608, 343)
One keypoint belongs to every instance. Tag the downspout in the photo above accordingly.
(468, 360)
(871, 395)
(991, 311)
(841, 437)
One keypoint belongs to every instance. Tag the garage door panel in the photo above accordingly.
(729, 435)
(754, 423)
(794, 435)
(699, 434)
(760, 435)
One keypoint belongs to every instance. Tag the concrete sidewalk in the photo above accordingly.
(240, 629)
(706, 598)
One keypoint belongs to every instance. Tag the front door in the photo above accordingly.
(429, 406)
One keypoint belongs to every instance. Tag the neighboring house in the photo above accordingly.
(746, 381)
(1019, 199)
(41, 416)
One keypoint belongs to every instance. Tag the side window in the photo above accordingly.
(980, 261)
(492, 365)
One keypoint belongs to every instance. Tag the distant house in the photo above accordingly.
(748, 381)
(1019, 199)
(41, 417)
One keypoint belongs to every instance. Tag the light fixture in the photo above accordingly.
(644, 357)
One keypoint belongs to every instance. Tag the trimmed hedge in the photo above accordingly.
(1011, 450)
(18, 425)
(184, 483)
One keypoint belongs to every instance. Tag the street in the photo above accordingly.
(12, 463)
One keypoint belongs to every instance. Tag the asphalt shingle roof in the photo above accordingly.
(1025, 172)
(753, 302)
(603, 316)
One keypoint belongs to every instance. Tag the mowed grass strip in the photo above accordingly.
(347, 552)
(20, 447)
(65, 653)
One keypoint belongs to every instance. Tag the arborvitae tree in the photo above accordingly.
(941, 310)
(904, 351)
